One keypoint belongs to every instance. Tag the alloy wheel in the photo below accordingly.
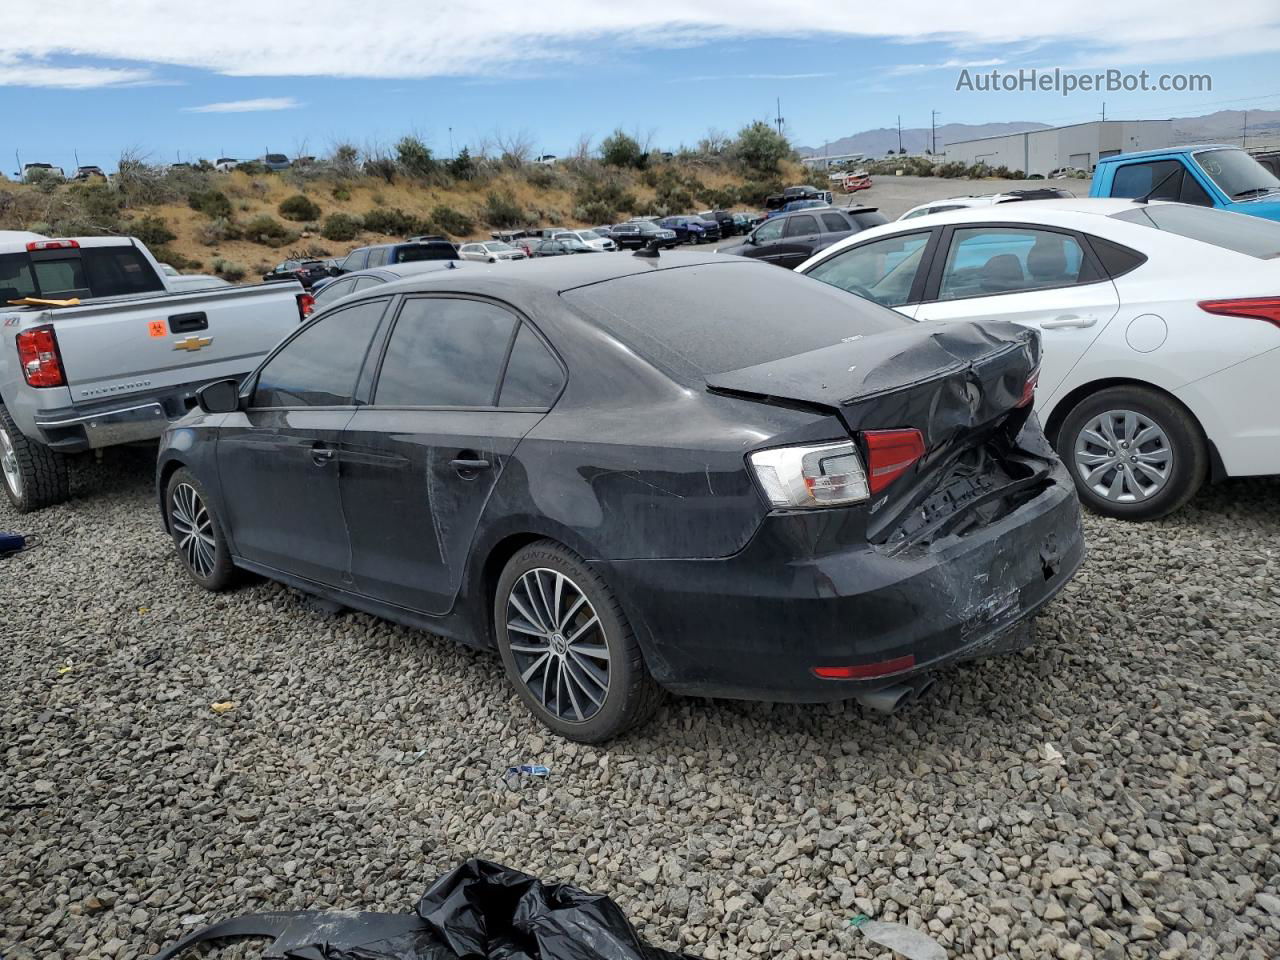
(1123, 456)
(193, 528)
(9, 464)
(559, 644)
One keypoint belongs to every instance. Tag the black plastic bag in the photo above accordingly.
(480, 910)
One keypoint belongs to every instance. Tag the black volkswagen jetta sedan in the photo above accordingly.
(629, 474)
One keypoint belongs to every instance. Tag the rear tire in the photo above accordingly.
(197, 532)
(33, 476)
(1134, 453)
(567, 647)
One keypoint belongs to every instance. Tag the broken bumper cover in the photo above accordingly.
(757, 625)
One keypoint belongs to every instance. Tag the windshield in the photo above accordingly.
(1237, 174)
(1251, 236)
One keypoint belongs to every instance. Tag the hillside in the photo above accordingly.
(878, 142)
(240, 223)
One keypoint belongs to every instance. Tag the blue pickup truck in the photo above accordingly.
(1209, 175)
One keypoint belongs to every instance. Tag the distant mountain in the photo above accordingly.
(877, 143)
(1224, 126)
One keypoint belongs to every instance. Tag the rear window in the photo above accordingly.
(694, 322)
(1237, 232)
(88, 272)
(869, 219)
(425, 251)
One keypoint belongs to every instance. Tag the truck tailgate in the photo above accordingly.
(147, 344)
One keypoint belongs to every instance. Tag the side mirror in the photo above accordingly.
(221, 396)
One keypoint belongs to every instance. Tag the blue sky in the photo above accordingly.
(173, 78)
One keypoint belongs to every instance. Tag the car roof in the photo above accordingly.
(1029, 210)
(1165, 151)
(398, 271)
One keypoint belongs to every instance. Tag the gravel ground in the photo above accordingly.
(361, 760)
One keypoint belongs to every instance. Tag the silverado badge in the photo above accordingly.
(193, 343)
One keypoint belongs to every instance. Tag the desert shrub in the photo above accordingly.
(268, 231)
(760, 148)
(754, 192)
(228, 269)
(344, 160)
(382, 167)
(451, 221)
(501, 210)
(99, 204)
(152, 231)
(340, 226)
(394, 222)
(594, 211)
(252, 167)
(218, 231)
(414, 158)
(606, 198)
(299, 208)
(341, 194)
(621, 150)
(719, 198)
(545, 177)
(212, 203)
(463, 166)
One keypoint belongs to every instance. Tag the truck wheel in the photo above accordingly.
(1134, 453)
(34, 476)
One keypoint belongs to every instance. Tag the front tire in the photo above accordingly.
(567, 647)
(33, 476)
(197, 532)
(1135, 453)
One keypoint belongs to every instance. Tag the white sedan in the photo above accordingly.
(589, 237)
(491, 251)
(1160, 326)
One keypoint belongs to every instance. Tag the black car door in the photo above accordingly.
(765, 242)
(800, 239)
(278, 461)
(420, 462)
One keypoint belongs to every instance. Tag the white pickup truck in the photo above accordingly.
(120, 365)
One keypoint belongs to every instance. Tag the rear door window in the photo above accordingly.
(378, 256)
(356, 260)
(445, 352)
(802, 226)
(984, 261)
(334, 291)
(319, 366)
(883, 271)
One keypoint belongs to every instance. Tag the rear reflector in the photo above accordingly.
(1029, 389)
(890, 454)
(38, 356)
(864, 671)
(306, 303)
(35, 245)
(1257, 308)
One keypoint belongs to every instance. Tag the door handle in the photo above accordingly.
(320, 455)
(1067, 320)
(468, 465)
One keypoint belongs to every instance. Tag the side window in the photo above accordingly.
(834, 223)
(319, 367)
(984, 261)
(533, 377)
(356, 260)
(378, 256)
(445, 352)
(1138, 179)
(769, 230)
(365, 282)
(801, 225)
(882, 270)
(334, 291)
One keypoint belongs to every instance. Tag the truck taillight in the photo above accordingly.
(35, 245)
(1257, 308)
(890, 454)
(38, 356)
(306, 303)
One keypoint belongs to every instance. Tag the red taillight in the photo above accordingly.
(1257, 308)
(306, 303)
(864, 671)
(890, 453)
(35, 245)
(1029, 388)
(39, 358)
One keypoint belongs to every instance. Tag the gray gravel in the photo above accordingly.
(730, 830)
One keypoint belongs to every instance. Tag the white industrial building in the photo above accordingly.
(1079, 145)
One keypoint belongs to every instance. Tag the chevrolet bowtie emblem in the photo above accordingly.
(193, 343)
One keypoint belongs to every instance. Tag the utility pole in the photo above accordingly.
(778, 118)
(899, 133)
(1104, 111)
(933, 132)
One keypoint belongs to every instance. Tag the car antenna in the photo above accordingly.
(452, 265)
(649, 250)
(1167, 177)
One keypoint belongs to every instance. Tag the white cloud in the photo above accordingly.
(908, 68)
(16, 71)
(410, 39)
(247, 106)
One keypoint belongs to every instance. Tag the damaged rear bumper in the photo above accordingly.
(757, 625)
